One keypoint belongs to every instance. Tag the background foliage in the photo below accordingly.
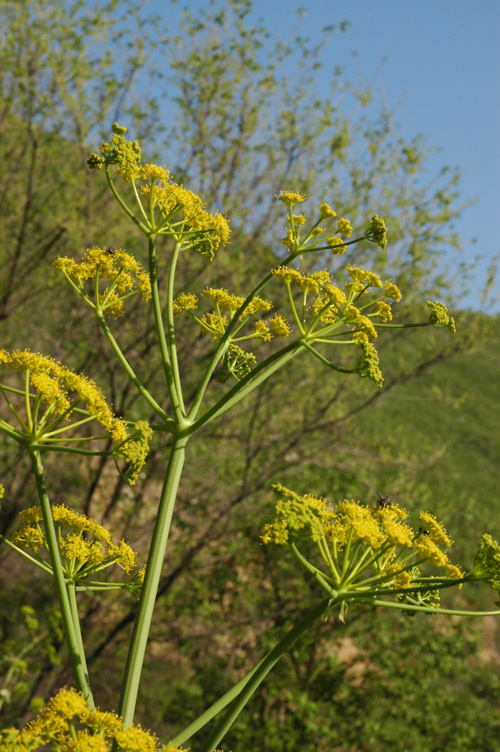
(244, 126)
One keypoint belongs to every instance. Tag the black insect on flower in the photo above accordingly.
(111, 250)
(383, 501)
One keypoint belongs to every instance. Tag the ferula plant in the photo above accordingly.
(372, 557)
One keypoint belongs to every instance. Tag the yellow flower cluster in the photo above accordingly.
(185, 302)
(226, 301)
(198, 230)
(86, 548)
(54, 382)
(279, 326)
(235, 362)
(126, 274)
(290, 198)
(205, 232)
(67, 725)
(351, 533)
(135, 450)
(332, 300)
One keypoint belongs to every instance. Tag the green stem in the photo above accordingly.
(76, 657)
(34, 561)
(324, 360)
(162, 340)
(425, 609)
(222, 346)
(145, 229)
(129, 370)
(71, 588)
(260, 673)
(171, 329)
(137, 647)
(212, 711)
(249, 383)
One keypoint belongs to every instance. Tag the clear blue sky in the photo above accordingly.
(442, 60)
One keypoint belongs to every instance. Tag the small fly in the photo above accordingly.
(383, 501)
(111, 250)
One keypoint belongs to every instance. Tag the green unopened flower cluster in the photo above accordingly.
(66, 724)
(86, 546)
(126, 274)
(487, 561)
(126, 154)
(55, 384)
(365, 551)
(439, 316)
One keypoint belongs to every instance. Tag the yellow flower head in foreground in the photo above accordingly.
(67, 720)
(351, 533)
(54, 383)
(126, 275)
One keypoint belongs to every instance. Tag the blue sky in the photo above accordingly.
(440, 59)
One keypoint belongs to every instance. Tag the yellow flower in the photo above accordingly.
(337, 245)
(123, 269)
(434, 529)
(212, 324)
(135, 739)
(326, 211)
(53, 381)
(396, 531)
(364, 525)
(290, 197)
(354, 317)
(86, 742)
(205, 232)
(125, 557)
(224, 298)
(344, 227)
(261, 330)
(377, 231)
(279, 326)
(297, 219)
(288, 241)
(392, 291)
(76, 548)
(365, 277)
(257, 304)
(53, 719)
(383, 311)
(28, 536)
(185, 302)
(429, 550)
(286, 274)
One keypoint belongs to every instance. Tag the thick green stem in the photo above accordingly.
(137, 647)
(72, 639)
(212, 711)
(259, 675)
